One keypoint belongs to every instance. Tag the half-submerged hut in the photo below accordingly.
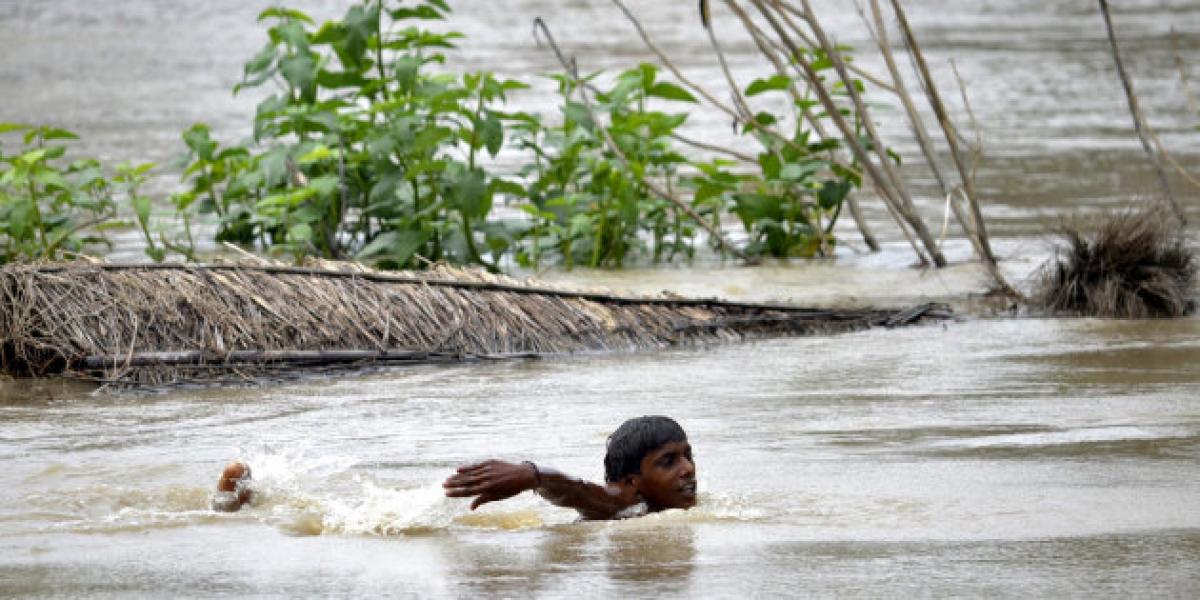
(156, 324)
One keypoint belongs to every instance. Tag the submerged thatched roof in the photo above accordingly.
(169, 323)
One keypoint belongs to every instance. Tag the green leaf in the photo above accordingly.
(300, 232)
(323, 120)
(198, 140)
(822, 63)
(406, 72)
(773, 83)
(804, 104)
(260, 62)
(300, 70)
(328, 33)
(155, 253)
(284, 13)
(7, 127)
(509, 188)
(468, 191)
(51, 179)
(421, 12)
(32, 157)
(317, 154)
(325, 185)
(493, 134)
(894, 156)
(765, 119)
(670, 91)
(361, 23)
(141, 206)
(19, 218)
(833, 193)
(396, 245)
(293, 34)
(770, 164)
(55, 152)
(340, 79)
(429, 138)
(798, 172)
(53, 133)
(577, 113)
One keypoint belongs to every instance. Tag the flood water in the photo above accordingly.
(987, 456)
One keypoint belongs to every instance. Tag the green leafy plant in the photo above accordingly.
(589, 205)
(791, 203)
(48, 208)
(366, 151)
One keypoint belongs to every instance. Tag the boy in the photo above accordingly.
(232, 488)
(648, 467)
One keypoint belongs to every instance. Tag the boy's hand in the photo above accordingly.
(490, 480)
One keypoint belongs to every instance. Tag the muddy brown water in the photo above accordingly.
(999, 457)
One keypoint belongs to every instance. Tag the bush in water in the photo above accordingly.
(368, 152)
(49, 207)
(365, 152)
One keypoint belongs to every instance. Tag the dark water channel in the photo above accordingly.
(1051, 458)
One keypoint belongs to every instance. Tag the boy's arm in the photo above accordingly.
(494, 480)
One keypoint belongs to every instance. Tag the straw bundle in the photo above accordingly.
(1133, 265)
(172, 323)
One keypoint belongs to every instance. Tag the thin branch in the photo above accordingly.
(784, 9)
(914, 117)
(1193, 105)
(764, 46)
(666, 62)
(735, 90)
(1138, 119)
(904, 203)
(968, 182)
(887, 194)
(714, 148)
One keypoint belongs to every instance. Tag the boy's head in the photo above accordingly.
(652, 455)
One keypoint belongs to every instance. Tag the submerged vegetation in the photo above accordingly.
(50, 207)
(370, 149)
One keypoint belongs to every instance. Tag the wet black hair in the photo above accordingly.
(633, 440)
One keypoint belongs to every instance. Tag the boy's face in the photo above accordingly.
(668, 477)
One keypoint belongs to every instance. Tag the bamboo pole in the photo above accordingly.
(262, 357)
(446, 283)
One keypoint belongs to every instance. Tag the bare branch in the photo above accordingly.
(1139, 120)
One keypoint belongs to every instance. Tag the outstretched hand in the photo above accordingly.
(491, 480)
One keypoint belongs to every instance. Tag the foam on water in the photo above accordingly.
(1085, 435)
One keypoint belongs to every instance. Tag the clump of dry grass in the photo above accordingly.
(1133, 264)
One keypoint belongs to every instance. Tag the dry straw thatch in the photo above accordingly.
(1134, 264)
(171, 323)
